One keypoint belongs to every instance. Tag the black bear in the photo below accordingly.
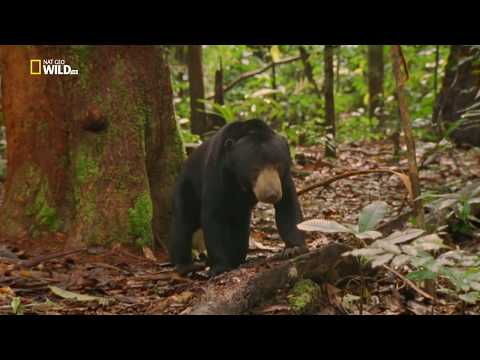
(243, 163)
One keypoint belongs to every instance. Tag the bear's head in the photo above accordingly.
(258, 158)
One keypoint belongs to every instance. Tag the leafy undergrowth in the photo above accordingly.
(120, 282)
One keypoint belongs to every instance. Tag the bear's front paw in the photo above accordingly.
(217, 270)
(185, 269)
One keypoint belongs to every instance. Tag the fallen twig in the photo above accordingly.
(368, 153)
(344, 176)
(40, 259)
(410, 283)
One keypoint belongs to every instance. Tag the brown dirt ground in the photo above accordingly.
(126, 282)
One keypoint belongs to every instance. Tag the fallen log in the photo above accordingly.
(234, 297)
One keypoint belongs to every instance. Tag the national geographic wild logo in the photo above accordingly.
(51, 67)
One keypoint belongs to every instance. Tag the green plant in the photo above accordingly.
(228, 112)
(16, 305)
(304, 296)
(463, 272)
(413, 249)
(139, 220)
(188, 137)
(455, 209)
(3, 169)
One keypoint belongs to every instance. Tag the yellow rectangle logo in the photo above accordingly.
(33, 69)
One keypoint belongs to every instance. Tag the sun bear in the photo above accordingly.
(218, 187)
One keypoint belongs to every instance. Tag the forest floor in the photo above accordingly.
(119, 281)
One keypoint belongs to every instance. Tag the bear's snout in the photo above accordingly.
(268, 187)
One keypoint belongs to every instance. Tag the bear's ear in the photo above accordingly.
(228, 144)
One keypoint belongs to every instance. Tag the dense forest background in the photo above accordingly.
(290, 95)
(384, 140)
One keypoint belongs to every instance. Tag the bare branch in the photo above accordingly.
(344, 176)
(252, 73)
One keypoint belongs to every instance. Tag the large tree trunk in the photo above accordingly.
(460, 86)
(330, 149)
(217, 121)
(88, 153)
(198, 117)
(375, 82)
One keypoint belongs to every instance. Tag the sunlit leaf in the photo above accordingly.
(409, 250)
(421, 275)
(403, 236)
(352, 227)
(455, 277)
(400, 260)
(275, 52)
(76, 296)
(371, 215)
(471, 297)
(406, 182)
(447, 203)
(148, 253)
(367, 252)
(475, 285)
(383, 259)
(429, 242)
(388, 247)
(325, 226)
(423, 259)
(369, 235)
(348, 300)
(16, 306)
(476, 190)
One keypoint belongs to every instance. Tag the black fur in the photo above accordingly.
(214, 192)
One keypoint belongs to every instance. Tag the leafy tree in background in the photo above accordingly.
(294, 101)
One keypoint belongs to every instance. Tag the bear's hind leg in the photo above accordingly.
(181, 246)
(185, 223)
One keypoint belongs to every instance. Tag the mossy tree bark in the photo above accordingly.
(92, 156)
